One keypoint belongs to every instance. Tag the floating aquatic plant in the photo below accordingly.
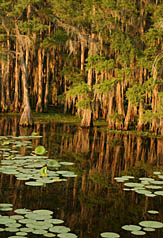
(109, 235)
(40, 150)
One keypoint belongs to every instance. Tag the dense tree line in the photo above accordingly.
(95, 58)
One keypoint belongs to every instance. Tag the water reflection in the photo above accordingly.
(92, 202)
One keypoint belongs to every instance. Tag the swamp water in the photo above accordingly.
(88, 183)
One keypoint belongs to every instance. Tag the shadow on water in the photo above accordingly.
(93, 202)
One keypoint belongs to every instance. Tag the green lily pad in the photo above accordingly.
(59, 229)
(43, 212)
(148, 229)
(131, 227)
(57, 221)
(138, 233)
(22, 211)
(156, 172)
(159, 193)
(142, 191)
(14, 224)
(6, 209)
(132, 185)
(40, 150)
(157, 182)
(151, 224)
(66, 163)
(153, 212)
(67, 235)
(53, 164)
(39, 232)
(33, 183)
(49, 234)
(150, 195)
(153, 187)
(16, 217)
(5, 205)
(109, 235)
(21, 233)
(11, 229)
(26, 229)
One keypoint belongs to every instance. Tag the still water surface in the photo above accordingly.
(93, 202)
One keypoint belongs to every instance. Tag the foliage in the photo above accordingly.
(40, 150)
(106, 86)
(99, 63)
(79, 89)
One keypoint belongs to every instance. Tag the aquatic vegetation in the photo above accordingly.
(35, 169)
(110, 235)
(39, 222)
(40, 150)
(144, 186)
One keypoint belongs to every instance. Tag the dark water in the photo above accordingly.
(93, 202)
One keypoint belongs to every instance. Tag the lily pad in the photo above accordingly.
(151, 224)
(67, 235)
(153, 187)
(153, 212)
(21, 233)
(132, 185)
(53, 164)
(57, 221)
(43, 212)
(138, 233)
(49, 234)
(109, 235)
(59, 229)
(33, 183)
(40, 150)
(159, 193)
(39, 232)
(66, 163)
(22, 211)
(148, 229)
(131, 227)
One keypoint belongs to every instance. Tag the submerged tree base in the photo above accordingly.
(26, 117)
(87, 120)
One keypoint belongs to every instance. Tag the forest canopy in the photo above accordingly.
(96, 59)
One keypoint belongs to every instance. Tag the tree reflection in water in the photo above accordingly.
(92, 202)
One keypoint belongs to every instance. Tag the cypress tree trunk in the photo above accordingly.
(39, 97)
(87, 120)
(26, 117)
(46, 84)
(16, 92)
(3, 101)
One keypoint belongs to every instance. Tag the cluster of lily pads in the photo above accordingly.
(38, 222)
(144, 186)
(141, 229)
(35, 169)
(148, 186)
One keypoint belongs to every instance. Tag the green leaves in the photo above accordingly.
(106, 86)
(40, 150)
(135, 94)
(79, 89)
(99, 63)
